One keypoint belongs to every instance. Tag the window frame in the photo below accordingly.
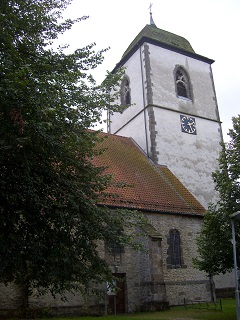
(174, 252)
(125, 91)
(114, 252)
(184, 82)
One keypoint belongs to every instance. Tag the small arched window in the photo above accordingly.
(182, 83)
(174, 259)
(114, 252)
(125, 91)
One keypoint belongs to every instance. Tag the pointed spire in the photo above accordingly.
(151, 18)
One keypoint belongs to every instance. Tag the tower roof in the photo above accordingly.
(151, 32)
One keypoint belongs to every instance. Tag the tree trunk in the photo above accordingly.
(212, 289)
(24, 289)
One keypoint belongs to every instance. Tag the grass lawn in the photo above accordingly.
(176, 313)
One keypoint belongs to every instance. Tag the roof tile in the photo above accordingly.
(149, 186)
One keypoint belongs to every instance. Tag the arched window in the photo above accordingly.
(125, 91)
(182, 83)
(174, 259)
(114, 249)
(114, 252)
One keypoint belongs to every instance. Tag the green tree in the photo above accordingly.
(50, 224)
(215, 240)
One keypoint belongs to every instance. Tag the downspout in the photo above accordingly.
(108, 117)
(144, 102)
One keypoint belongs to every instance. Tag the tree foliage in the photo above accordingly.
(215, 241)
(50, 223)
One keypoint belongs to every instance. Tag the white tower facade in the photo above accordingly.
(172, 108)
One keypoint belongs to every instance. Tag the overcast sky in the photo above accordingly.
(211, 26)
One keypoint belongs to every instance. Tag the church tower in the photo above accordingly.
(172, 109)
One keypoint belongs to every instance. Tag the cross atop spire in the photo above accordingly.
(151, 19)
(150, 8)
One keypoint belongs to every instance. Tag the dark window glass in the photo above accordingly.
(175, 248)
(114, 251)
(181, 90)
(182, 84)
(125, 92)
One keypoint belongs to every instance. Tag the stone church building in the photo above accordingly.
(165, 146)
(173, 120)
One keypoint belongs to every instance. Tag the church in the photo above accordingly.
(165, 146)
(172, 122)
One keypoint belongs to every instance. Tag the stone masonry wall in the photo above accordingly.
(184, 282)
(149, 282)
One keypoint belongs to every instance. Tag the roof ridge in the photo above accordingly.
(141, 149)
(163, 175)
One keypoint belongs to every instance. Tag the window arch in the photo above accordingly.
(125, 91)
(174, 259)
(182, 82)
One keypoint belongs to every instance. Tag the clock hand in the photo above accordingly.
(191, 127)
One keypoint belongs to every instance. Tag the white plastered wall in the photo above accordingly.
(192, 158)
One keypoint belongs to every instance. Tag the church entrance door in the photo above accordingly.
(117, 302)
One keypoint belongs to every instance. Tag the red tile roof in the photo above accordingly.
(150, 187)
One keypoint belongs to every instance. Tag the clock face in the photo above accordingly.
(188, 124)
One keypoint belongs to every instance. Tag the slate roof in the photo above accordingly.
(150, 187)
